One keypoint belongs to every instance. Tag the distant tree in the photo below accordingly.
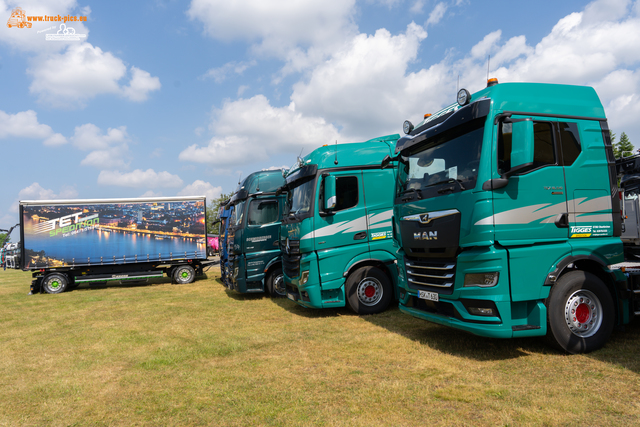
(625, 147)
(4, 239)
(212, 211)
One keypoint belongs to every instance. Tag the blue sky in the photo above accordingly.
(166, 98)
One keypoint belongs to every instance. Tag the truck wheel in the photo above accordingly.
(275, 284)
(368, 290)
(581, 313)
(183, 274)
(55, 283)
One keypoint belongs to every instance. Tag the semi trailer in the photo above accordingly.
(66, 243)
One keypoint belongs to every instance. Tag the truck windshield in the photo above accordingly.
(299, 198)
(449, 164)
(238, 213)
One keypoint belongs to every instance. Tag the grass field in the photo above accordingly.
(198, 354)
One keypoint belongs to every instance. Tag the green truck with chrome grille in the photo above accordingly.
(507, 215)
(336, 237)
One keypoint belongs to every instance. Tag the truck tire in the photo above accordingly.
(183, 274)
(581, 313)
(369, 290)
(275, 284)
(55, 283)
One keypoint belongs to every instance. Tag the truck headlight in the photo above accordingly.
(304, 277)
(483, 280)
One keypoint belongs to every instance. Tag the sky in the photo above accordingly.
(171, 98)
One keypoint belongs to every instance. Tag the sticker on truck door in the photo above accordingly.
(591, 231)
(381, 235)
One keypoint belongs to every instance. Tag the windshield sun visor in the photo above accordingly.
(304, 172)
(463, 115)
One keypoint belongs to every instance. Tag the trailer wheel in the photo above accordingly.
(581, 313)
(183, 274)
(275, 284)
(55, 283)
(368, 290)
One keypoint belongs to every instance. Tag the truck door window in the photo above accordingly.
(544, 151)
(346, 192)
(263, 212)
(570, 140)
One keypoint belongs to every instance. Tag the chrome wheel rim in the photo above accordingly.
(583, 313)
(278, 284)
(369, 291)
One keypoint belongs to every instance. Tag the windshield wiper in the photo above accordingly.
(450, 180)
(414, 190)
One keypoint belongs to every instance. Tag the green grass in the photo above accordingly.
(198, 354)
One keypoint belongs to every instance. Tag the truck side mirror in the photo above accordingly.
(385, 161)
(522, 146)
(329, 192)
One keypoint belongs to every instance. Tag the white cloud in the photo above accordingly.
(140, 85)
(82, 72)
(139, 179)
(151, 193)
(110, 158)
(277, 27)
(437, 13)
(201, 188)
(252, 130)
(220, 74)
(25, 125)
(417, 7)
(36, 192)
(109, 150)
(363, 86)
(90, 137)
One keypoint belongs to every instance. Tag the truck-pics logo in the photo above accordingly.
(18, 19)
(66, 224)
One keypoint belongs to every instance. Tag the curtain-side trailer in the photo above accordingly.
(66, 243)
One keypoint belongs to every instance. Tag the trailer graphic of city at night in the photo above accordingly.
(113, 233)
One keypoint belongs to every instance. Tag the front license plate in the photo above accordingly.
(291, 297)
(431, 296)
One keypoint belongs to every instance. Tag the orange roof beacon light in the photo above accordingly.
(427, 115)
(492, 82)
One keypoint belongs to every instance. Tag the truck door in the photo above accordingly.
(587, 179)
(341, 234)
(378, 185)
(261, 235)
(530, 213)
(532, 207)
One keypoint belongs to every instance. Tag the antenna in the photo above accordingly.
(488, 65)
(335, 162)
(239, 176)
(458, 85)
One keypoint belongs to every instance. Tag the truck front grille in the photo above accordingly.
(436, 275)
(290, 257)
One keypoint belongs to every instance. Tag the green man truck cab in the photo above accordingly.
(507, 215)
(254, 262)
(336, 235)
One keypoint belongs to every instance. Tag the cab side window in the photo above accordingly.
(544, 150)
(570, 140)
(263, 212)
(346, 192)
